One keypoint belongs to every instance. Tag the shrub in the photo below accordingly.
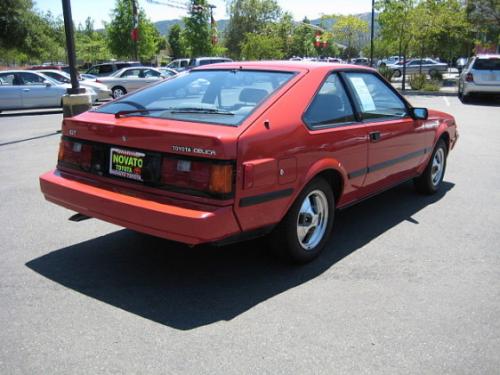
(417, 81)
(431, 86)
(386, 72)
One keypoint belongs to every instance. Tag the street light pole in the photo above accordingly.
(76, 100)
(70, 45)
(372, 32)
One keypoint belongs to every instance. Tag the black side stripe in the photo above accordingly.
(387, 163)
(256, 199)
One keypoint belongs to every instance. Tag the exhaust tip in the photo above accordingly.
(78, 217)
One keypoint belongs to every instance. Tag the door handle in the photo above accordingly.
(374, 136)
(26, 90)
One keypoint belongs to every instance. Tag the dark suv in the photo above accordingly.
(106, 69)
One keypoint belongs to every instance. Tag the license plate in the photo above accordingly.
(126, 163)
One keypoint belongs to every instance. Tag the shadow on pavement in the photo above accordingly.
(30, 138)
(186, 288)
(31, 113)
(488, 101)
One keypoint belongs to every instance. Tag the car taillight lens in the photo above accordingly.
(75, 154)
(204, 176)
(469, 77)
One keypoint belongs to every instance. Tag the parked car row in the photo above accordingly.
(23, 89)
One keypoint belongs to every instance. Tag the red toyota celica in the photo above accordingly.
(232, 151)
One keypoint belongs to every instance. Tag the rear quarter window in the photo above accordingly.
(487, 64)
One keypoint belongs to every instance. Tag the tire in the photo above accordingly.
(304, 231)
(432, 72)
(430, 180)
(463, 98)
(397, 73)
(118, 91)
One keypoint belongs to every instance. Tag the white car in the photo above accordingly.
(101, 90)
(23, 89)
(427, 66)
(130, 79)
(481, 75)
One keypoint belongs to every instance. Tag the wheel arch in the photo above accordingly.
(331, 170)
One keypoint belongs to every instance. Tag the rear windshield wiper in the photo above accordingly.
(142, 110)
(212, 111)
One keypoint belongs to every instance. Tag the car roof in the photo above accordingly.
(488, 56)
(21, 71)
(286, 65)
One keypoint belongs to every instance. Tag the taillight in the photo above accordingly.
(469, 77)
(75, 154)
(204, 176)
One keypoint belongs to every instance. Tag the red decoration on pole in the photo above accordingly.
(317, 38)
(134, 34)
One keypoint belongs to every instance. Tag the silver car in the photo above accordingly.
(481, 75)
(429, 66)
(21, 89)
(101, 90)
(130, 79)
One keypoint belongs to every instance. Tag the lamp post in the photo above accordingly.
(70, 46)
(76, 100)
(372, 32)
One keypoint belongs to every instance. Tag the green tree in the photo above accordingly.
(249, 16)
(485, 17)
(303, 39)
(14, 22)
(350, 30)
(176, 42)
(118, 32)
(261, 46)
(197, 31)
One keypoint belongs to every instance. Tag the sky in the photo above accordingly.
(99, 10)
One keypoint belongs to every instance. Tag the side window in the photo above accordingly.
(330, 106)
(150, 73)
(93, 71)
(105, 69)
(376, 100)
(184, 63)
(132, 73)
(31, 79)
(8, 79)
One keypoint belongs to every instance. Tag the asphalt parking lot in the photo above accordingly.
(408, 284)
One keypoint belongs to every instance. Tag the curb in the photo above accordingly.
(426, 93)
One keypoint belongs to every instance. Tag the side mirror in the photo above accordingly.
(419, 113)
(48, 84)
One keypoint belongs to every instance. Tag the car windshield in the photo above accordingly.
(224, 97)
(487, 64)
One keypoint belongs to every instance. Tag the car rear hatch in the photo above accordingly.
(164, 155)
(486, 71)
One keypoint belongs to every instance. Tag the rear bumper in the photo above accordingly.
(187, 225)
(471, 87)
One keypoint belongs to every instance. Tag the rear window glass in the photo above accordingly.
(487, 64)
(224, 97)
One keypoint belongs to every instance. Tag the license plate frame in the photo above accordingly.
(126, 163)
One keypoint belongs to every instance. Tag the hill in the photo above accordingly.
(164, 26)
